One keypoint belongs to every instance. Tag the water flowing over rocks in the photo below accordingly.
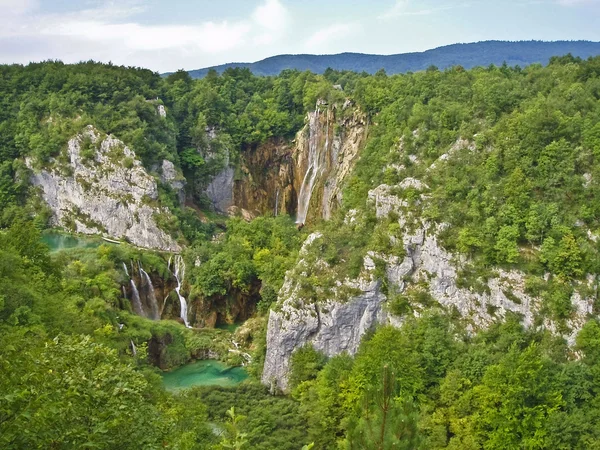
(104, 189)
(301, 178)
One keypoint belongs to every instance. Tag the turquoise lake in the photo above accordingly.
(203, 373)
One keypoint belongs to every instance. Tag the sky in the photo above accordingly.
(166, 35)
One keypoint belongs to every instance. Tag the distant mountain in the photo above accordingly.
(467, 55)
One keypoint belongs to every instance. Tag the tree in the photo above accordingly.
(72, 393)
(516, 399)
(233, 438)
(385, 422)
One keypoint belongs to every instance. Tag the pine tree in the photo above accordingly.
(386, 422)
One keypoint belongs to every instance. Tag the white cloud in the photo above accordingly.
(17, 7)
(274, 20)
(108, 30)
(322, 38)
(271, 15)
(404, 8)
(578, 2)
(208, 37)
(400, 8)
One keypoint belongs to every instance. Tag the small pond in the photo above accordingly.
(231, 327)
(203, 373)
(61, 241)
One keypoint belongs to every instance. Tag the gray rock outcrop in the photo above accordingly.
(174, 178)
(334, 326)
(104, 189)
(331, 327)
(220, 190)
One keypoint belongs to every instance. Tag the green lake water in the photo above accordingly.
(203, 373)
(60, 241)
(231, 327)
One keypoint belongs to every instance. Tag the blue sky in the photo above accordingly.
(166, 35)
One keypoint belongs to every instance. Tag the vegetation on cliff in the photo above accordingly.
(508, 159)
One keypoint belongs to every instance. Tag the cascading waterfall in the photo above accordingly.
(316, 162)
(179, 274)
(277, 203)
(150, 295)
(136, 303)
(135, 300)
(133, 348)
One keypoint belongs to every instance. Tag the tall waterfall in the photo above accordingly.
(136, 303)
(179, 273)
(316, 161)
(135, 300)
(150, 295)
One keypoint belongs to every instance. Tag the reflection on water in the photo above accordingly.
(61, 241)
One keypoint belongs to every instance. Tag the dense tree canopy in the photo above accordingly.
(510, 159)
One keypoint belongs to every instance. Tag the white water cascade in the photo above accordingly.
(316, 163)
(150, 295)
(135, 300)
(136, 303)
(179, 274)
(133, 348)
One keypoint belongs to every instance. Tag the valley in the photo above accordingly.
(262, 261)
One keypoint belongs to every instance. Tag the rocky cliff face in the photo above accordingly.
(301, 178)
(324, 154)
(334, 326)
(265, 184)
(101, 188)
(173, 177)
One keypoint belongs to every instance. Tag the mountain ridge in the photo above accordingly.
(468, 55)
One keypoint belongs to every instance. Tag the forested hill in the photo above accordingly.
(470, 55)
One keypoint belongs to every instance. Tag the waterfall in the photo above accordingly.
(150, 295)
(316, 162)
(135, 300)
(125, 269)
(179, 274)
(133, 349)
(124, 292)
(277, 202)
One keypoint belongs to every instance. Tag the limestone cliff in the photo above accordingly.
(324, 154)
(335, 325)
(173, 177)
(301, 178)
(331, 327)
(99, 187)
(265, 181)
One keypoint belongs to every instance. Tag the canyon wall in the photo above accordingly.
(302, 178)
(102, 188)
(336, 325)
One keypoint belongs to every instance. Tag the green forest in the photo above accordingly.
(80, 370)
